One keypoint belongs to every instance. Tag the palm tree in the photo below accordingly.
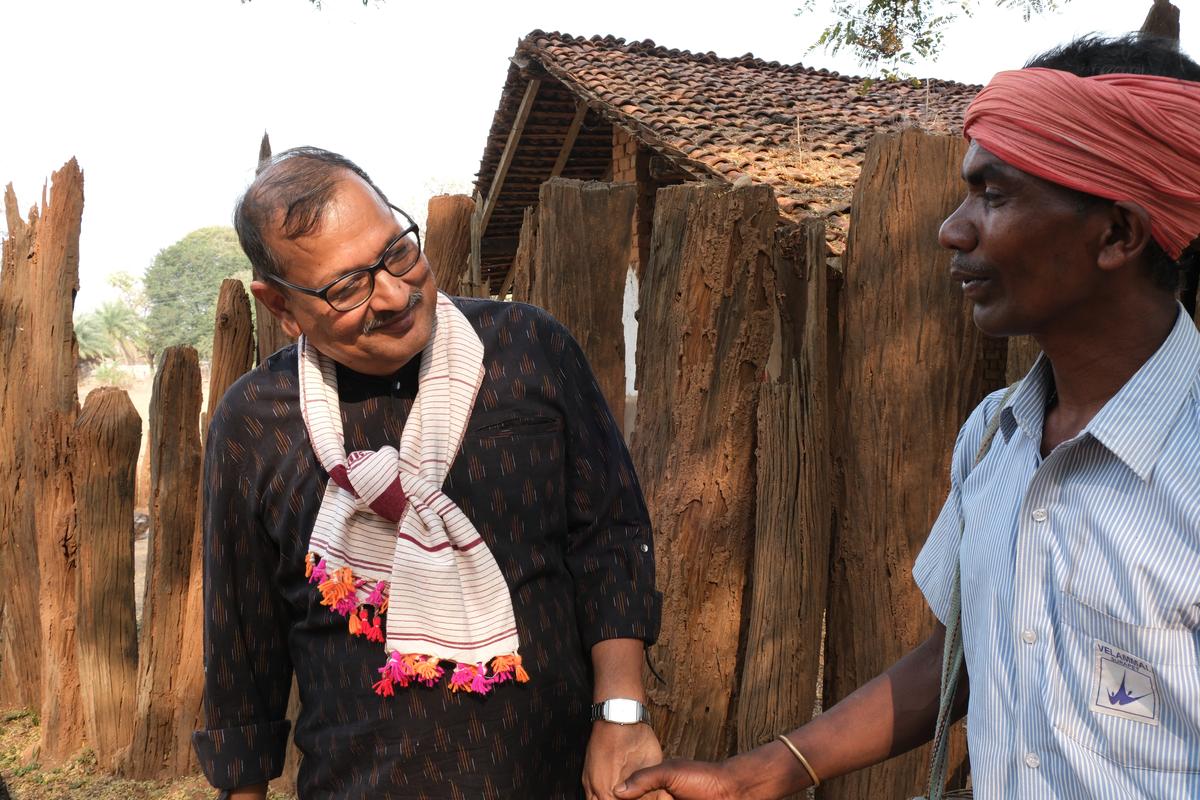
(94, 344)
(123, 328)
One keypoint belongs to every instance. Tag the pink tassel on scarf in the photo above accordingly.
(317, 573)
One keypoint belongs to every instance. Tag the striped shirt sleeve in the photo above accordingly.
(936, 564)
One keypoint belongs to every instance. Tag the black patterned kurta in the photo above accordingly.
(544, 476)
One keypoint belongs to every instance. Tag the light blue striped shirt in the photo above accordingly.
(1081, 588)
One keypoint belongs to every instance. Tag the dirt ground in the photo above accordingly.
(79, 779)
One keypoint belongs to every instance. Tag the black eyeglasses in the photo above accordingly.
(351, 290)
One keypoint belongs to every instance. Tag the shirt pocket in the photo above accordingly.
(511, 475)
(1099, 696)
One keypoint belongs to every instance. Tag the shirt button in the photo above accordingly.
(645, 548)
(1032, 761)
(1039, 515)
(1028, 636)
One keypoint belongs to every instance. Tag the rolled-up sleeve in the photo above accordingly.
(247, 670)
(610, 549)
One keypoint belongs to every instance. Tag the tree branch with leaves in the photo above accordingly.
(886, 35)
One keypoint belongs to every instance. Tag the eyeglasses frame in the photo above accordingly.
(323, 291)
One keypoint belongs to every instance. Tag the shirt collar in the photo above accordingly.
(1135, 422)
(1026, 408)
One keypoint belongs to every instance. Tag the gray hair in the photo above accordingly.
(300, 182)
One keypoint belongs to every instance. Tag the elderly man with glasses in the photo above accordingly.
(425, 511)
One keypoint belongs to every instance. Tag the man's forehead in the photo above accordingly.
(324, 208)
(981, 164)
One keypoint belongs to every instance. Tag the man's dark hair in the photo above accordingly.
(299, 182)
(1135, 54)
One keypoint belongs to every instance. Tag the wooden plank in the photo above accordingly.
(510, 150)
(568, 144)
(911, 363)
(447, 239)
(107, 440)
(47, 375)
(793, 509)
(1022, 352)
(268, 332)
(520, 276)
(20, 624)
(232, 357)
(174, 512)
(580, 279)
(471, 282)
(705, 327)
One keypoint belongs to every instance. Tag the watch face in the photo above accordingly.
(622, 711)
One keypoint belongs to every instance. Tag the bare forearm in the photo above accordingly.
(258, 792)
(889, 715)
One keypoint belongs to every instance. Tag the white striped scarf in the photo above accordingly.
(386, 539)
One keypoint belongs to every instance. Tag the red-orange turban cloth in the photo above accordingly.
(1120, 136)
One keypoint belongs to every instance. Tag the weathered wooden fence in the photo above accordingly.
(912, 366)
(793, 431)
(69, 645)
(793, 435)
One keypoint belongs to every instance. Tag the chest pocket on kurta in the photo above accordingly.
(1128, 693)
(514, 465)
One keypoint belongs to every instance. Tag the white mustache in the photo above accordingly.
(379, 320)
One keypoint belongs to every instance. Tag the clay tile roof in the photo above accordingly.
(802, 131)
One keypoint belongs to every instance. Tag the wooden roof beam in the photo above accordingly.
(569, 142)
(510, 150)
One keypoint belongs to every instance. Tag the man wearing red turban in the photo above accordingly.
(1064, 568)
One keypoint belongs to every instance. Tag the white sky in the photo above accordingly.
(164, 101)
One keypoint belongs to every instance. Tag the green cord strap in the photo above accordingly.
(952, 652)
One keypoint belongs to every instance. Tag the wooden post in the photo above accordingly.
(269, 335)
(447, 239)
(581, 278)
(38, 411)
(705, 327)
(911, 371)
(174, 478)
(232, 357)
(20, 625)
(471, 282)
(233, 344)
(793, 510)
(521, 277)
(1022, 352)
(107, 439)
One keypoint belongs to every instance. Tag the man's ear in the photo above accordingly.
(1126, 237)
(277, 303)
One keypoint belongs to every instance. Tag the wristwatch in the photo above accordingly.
(620, 710)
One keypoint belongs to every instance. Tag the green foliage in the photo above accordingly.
(884, 35)
(110, 373)
(118, 328)
(182, 287)
(94, 345)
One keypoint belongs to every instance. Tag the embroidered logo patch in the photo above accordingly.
(1123, 685)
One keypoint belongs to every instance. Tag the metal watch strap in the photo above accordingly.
(620, 711)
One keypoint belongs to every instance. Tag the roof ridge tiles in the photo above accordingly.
(650, 47)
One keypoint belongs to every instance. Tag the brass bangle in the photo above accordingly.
(812, 773)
